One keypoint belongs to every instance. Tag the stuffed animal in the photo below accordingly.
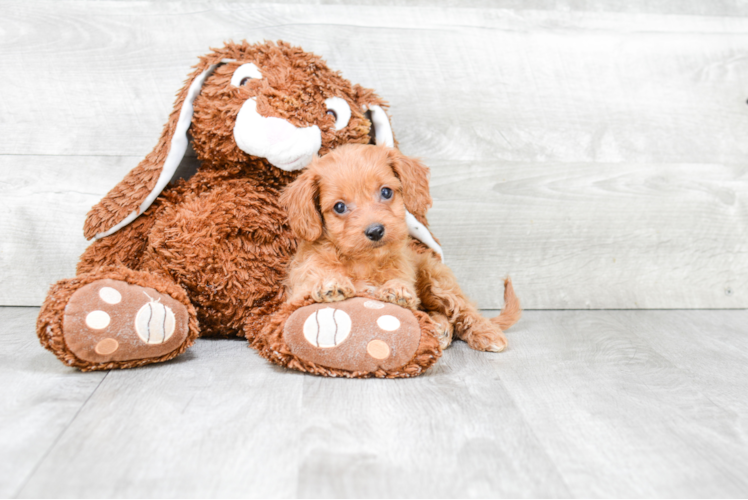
(207, 256)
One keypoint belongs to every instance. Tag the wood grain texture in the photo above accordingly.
(646, 397)
(583, 404)
(45, 200)
(228, 429)
(527, 85)
(454, 433)
(39, 396)
(595, 235)
(570, 235)
(682, 7)
(597, 149)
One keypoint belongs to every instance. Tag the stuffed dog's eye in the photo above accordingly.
(244, 74)
(339, 207)
(386, 193)
(340, 111)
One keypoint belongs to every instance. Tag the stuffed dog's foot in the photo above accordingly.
(358, 337)
(333, 290)
(100, 324)
(484, 336)
(397, 292)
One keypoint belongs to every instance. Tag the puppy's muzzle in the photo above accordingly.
(374, 232)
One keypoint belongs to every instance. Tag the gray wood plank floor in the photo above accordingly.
(583, 404)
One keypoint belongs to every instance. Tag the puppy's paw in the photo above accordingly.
(444, 329)
(486, 337)
(333, 290)
(397, 292)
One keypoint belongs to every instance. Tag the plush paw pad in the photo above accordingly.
(358, 334)
(110, 320)
(155, 322)
(327, 327)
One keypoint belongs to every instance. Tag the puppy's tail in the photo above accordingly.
(512, 309)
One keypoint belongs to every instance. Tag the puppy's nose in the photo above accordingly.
(374, 232)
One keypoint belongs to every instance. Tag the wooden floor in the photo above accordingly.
(584, 404)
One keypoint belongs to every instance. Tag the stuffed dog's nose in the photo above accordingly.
(374, 232)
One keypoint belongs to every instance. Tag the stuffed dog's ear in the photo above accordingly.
(381, 129)
(414, 177)
(373, 108)
(300, 200)
(142, 185)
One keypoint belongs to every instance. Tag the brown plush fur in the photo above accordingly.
(221, 235)
(294, 88)
(336, 259)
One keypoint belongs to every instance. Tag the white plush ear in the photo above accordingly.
(382, 128)
(421, 233)
(177, 149)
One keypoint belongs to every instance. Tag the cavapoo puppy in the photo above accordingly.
(348, 210)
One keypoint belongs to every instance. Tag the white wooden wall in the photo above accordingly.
(597, 153)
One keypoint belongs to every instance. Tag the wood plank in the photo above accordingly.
(218, 421)
(548, 85)
(453, 433)
(697, 342)
(596, 236)
(40, 397)
(584, 403)
(45, 199)
(570, 235)
(681, 7)
(622, 410)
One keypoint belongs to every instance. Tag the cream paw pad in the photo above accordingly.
(111, 320)
(358, 334)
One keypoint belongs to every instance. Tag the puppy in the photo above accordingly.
(348, 210)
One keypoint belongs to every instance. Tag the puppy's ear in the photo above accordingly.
(300, 200)
(414, 177)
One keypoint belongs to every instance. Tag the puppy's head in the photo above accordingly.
(356, 196)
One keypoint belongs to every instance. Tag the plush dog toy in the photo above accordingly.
(207, 256)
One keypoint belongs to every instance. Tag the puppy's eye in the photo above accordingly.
(332, 113)
(339, 207)
(245, 80)
(386, 193)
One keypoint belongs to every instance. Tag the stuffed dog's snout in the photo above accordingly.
(374, 232)
(283, 144)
